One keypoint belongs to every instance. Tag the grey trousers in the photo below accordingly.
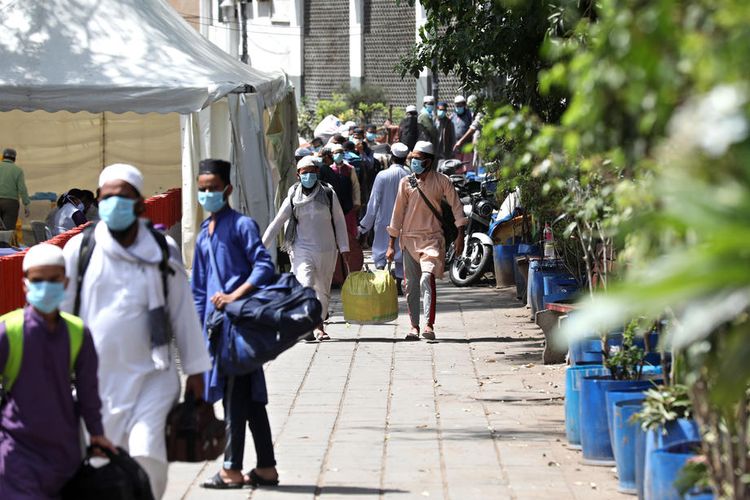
(9, 213)
(419, 286)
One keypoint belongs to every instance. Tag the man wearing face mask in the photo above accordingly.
(342, 167)
(315, 234)
(422, 241)
(446, 133)
(462, 119)
(230, 261)
(39, 432)
(134, 293)
(71, 213)
(408, 129)
(426, 121)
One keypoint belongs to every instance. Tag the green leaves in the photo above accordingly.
(664, 404)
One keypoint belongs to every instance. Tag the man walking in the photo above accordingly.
(426, 121)
(12, 186)
(41, 353)
(134, 294)
(230, 261)
(315, 235)
(408, 129)
(422, 241)
(446, 133)
(462, 119)
(380, 208)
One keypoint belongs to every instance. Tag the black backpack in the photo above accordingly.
(341, 184)
(87, 249)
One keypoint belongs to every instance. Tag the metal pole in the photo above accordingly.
(243, 31)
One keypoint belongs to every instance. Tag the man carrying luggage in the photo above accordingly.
(422, 240)
(41, 352)
(134, 294)
(230, 261)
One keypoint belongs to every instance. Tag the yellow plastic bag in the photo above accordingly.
(370, 297)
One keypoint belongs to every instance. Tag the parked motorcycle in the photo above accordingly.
(480, 208)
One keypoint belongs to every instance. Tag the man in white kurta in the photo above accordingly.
(320, 233)
(380, 208)
(138, 383)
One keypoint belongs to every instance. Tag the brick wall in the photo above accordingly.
(326, 48)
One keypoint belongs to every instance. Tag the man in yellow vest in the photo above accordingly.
(12, 187)
(41, 352)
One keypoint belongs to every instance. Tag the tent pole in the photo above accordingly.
(104, 139)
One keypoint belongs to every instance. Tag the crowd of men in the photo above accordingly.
(106, 312)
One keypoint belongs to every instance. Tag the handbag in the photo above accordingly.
(445, 216)
(193, 432)
(370, 298)
(257, 328)
(120, 479)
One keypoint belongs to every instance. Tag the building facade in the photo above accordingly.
(324, 45)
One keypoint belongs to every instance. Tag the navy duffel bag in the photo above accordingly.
(256, 329)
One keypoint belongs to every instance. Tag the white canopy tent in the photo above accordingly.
(130, 80)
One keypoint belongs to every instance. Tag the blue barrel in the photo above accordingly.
(624, 443)
(573, 377)
(504, 256)
(597, 447)
(677, 431)
(531, 285)
(614, 397)
(640, 459)
(665, 466)
(586, 351)
(524, 249)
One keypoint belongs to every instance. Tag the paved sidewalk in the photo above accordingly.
(472, 416)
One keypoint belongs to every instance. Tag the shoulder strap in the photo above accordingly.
(14, 331)
(164, 267)
(75, 335)
(329, 192)
(413, 183)
(84, 258)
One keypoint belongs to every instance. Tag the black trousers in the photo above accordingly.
(9, 213)
(238, 409)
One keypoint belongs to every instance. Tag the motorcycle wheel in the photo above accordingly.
(466, 271)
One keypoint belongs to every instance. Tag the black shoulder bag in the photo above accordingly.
(445, 216)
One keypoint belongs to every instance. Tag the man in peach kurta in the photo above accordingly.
(421, 235)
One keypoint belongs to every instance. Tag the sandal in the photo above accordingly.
(217, 483)
(323, 336)
(413, 334)
(428, 333)
(254, 480)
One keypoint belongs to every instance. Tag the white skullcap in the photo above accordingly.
(459, 99)
(472, 99)
(43, 254)
(411, 108)
(428, 98)
(399, 150)
(337, 148)
(122, 172)
(302, 152)
(306, 161)
(424, 147)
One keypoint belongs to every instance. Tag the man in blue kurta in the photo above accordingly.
(239, 265)
(380, 207)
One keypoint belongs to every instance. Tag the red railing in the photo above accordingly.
(163, 209)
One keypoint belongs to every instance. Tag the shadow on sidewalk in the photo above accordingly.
(447, 340)
(306, 489)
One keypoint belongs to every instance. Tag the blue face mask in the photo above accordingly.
(416, 166)
(460, 110)
(46, 296)
(308, 180)
(212, 201)
(118, 213)
(429, 107)
(371, 137)
(338, 157)
(441, 113)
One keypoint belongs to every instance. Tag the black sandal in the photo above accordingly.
(217, 483)
(255, 480)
